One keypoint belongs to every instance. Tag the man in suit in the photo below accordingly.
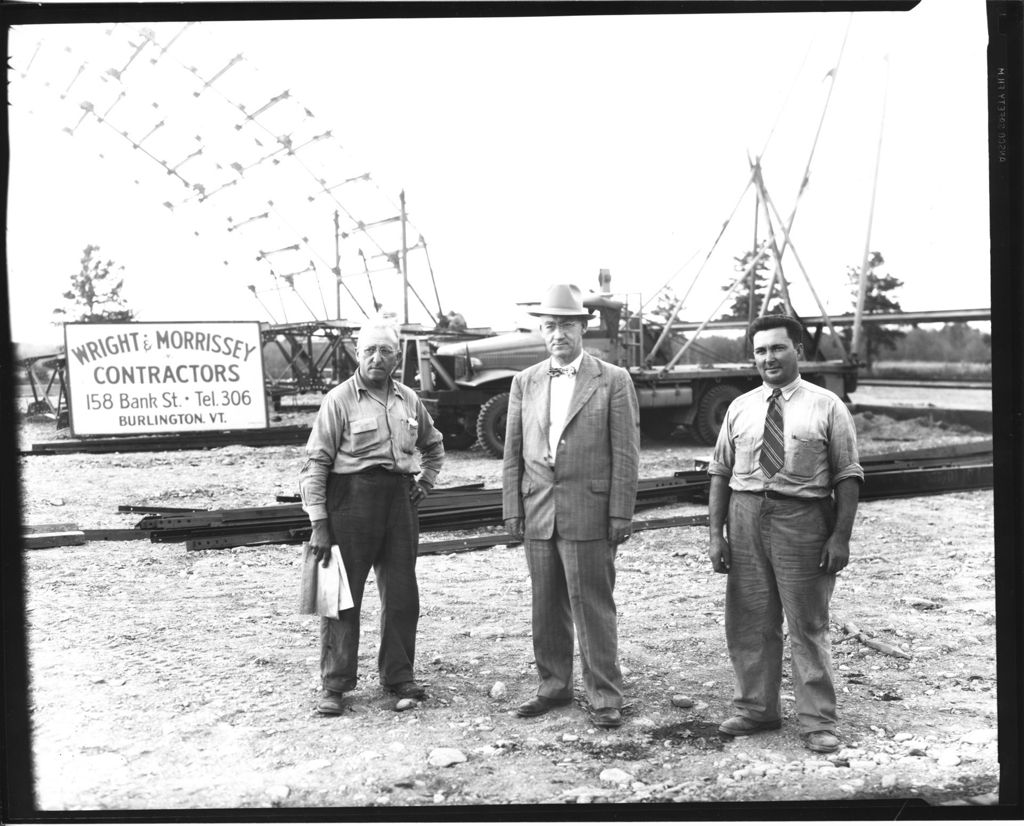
(572, 452)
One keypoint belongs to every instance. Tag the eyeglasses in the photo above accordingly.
(551, 326)
(385, 352)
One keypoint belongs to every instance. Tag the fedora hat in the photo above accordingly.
(562, 300)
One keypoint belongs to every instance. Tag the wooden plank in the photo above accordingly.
(283, 435)
(52, 527)
(35, 541)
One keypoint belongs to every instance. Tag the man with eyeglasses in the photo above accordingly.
(572, 453)
(361, 484)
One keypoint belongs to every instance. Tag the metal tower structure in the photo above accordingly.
(305, 230)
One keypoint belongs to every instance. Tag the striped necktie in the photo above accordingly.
(773, 449)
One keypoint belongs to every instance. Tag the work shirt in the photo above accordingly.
(354, 431)
(561, 394)
(819, 436)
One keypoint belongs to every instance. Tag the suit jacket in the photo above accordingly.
(594, 476)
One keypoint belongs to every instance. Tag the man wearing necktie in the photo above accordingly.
(572, 453)
(785, 481)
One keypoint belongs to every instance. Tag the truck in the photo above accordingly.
(466, 384)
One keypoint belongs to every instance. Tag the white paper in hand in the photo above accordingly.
(332, 590)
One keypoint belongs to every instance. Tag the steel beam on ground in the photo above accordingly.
(963, 466)
(154, 509)
(893, 484)
(114, 534)
(237, 540)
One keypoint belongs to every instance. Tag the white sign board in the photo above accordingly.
(164, 377)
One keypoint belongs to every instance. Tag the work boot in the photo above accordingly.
(331, 702)
(409, 690)
(541, 705)
(740, 726)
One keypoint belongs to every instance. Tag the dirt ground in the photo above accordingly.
(168, 679)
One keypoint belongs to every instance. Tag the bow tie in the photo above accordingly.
(561, 371)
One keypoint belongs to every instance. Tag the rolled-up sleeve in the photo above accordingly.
(430, 444)
(844, 459)
(724, 457)
(321, 448)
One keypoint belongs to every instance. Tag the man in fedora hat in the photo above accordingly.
(572, 451)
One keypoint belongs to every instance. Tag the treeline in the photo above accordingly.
(953, 343)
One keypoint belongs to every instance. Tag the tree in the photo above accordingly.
(878, 298)
(665, 302)
(708, 349)
(94, 296)
(741, 305)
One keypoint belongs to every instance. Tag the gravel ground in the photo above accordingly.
(167, 679)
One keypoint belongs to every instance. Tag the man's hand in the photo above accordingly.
(320, 542)
(619, 530)
(514, 527)
(419, 491)
(835, 555)
(720, 554)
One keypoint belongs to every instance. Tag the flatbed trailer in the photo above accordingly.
(466, 384)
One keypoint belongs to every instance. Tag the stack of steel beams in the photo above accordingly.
(908, 473)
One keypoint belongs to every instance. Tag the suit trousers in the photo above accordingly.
(374, 524)
(776, 549)
(572, 584)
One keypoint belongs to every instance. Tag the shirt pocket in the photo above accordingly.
(743, 464)
(365, 434)
(806, 455)
(407, 433)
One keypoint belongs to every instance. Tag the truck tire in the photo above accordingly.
(490, 425)
(711, 411)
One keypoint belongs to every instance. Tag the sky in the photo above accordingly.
(530, 151)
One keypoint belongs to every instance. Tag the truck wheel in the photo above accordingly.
(490, 424)
(711, 411)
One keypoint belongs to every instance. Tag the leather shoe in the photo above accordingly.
(540, 705)
(821, 741)
(409, 690)
(331, 703)
(607, 718)
(740, 726)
